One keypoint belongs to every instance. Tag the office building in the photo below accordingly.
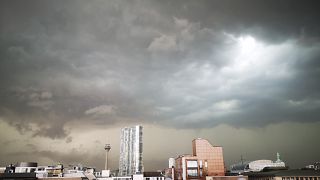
(131, 151)
(206, 160)
(209, 156)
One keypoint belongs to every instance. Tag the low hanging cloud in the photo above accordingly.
(101, 110)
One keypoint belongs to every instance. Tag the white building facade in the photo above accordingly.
(257, 166)
(131, 148)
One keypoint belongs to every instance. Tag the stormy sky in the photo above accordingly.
(243, 74)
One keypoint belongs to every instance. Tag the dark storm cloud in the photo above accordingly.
(272, 20)
(174, 63)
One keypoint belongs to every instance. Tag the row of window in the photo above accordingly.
(300, 178)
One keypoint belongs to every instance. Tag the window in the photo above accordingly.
(192, 172)
(192, 164)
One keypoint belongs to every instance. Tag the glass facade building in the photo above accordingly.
(210, 157)
(131, 147)
(206, 160)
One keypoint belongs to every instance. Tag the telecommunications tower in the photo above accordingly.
(107, 147)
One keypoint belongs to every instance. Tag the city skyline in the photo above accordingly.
(241, 74)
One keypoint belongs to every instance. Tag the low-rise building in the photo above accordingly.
(26, 167)
(153, 176)
(257, 165)
(314, 166)
(295, 174)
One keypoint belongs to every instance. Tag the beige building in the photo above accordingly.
(206, 160)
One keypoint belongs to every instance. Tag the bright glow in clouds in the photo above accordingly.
(247, 44)
(252, 60)
(249, 53)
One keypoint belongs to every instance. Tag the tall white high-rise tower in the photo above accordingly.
(131, 151)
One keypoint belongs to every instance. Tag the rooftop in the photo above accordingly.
(292, 172)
